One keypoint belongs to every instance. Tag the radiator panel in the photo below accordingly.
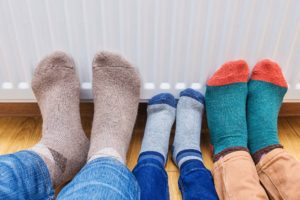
(174, 43)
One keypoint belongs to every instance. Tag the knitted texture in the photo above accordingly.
(116, 90)
(189, 112)
(160, 118)
(64, 145)
(225, 99)
(266, 90)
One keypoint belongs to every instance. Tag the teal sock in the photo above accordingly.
(225, 96)
(267, 88)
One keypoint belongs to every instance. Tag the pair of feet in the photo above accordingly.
(162, 111)
(64, 146)
(242, 113)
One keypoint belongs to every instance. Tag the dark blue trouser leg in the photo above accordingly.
(196, 182)
(152, 177)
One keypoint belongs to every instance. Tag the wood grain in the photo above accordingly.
(17, 133)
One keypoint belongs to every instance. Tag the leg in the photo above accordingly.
(150, 170)
(102, 178)
(235, 177)
(24, 175)
(116, 88)
(195, 181)
(279, 173)
(277, 170)
(152, 176)
(63, 147)
(234, 171)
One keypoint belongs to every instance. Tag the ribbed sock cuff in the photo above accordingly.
(188, 154)
(260, 153)
(152, 155)
(228, 151)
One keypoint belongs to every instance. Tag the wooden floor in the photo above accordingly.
(17, 133)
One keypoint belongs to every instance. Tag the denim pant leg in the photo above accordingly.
(24, 175)
(196, 182)
(102, 178)
(151, 176)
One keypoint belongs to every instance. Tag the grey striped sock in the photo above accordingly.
(161, 116)
(186, 144)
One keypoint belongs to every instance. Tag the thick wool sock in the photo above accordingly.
(116, 89)
(266, 90)
(189, 111)
(225, 100)
(64, 145)
(161, 116)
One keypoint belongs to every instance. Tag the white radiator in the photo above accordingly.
(174, 43)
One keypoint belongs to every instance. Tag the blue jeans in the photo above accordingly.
(24, 175)
(195, 181)
(152, 176)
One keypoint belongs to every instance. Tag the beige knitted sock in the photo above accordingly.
(116, 88)
(64, 145)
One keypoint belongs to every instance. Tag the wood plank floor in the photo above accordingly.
(17, 133)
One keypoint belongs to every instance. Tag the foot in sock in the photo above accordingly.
(64, 145)
(266, 90)
(160, 118)
(116, 89)
(225, 100)
(189, 111)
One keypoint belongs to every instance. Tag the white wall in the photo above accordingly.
(174, 43)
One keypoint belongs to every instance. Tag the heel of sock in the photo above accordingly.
(55, 161)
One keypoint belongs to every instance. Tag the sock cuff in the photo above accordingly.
(188, 153)
(106, 152)
(229, 150)
(193, 94)
(163, 98)
(152, 155)
(260, 153)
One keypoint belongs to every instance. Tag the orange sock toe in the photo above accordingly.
(269, 71)
(230, 72)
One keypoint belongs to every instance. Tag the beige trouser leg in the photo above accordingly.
(279, 172)
(236, 178)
